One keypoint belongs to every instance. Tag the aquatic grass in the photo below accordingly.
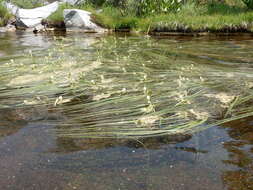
(131, 87)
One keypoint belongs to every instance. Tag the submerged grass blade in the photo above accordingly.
(130, 88)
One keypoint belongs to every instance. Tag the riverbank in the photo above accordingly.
(217, 18)
(192, 19)
(43, 68)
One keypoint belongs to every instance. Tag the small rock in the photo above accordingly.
(39, 28)
(10, 28)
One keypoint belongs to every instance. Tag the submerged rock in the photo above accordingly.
(10, 122)
(76, 19)
(39, 28)
(81, 144)
(29, 18)
(8, 28)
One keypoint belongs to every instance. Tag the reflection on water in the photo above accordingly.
(240, 149)
(33, 157)
(14, 43)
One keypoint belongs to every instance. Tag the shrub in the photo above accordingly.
(142, 7)
(126, 23)
(4, 15)
(28, 4)
(96, 3)
(249, 3)
(58, 15)
(127, 7)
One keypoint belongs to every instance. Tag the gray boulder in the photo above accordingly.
(29, 18)
(80, 20)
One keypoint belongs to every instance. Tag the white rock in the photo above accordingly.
(76, 19)
(29, 18)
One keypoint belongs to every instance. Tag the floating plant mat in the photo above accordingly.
(131, 87)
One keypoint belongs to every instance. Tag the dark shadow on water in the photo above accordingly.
(240, 150)
(10, 122)
(220, 158)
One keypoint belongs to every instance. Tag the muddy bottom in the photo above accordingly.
(32, 157)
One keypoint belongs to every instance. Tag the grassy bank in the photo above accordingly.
(28, 4)
(187, 20)
(4, 15)
(192, 17)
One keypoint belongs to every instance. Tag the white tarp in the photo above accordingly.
(31, 17)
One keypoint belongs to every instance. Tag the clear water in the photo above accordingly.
(33, 156)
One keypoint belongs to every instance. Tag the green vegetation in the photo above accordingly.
(159, 15)
(4, 14)
(189, 19)
(58, 15)
(192, 17)
(205, 23)
(168, 16)
(112, 18)
(28, 4)
(249, 3)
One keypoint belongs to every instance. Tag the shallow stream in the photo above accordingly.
(71, 104)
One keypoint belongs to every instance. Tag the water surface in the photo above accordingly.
(34, 156)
